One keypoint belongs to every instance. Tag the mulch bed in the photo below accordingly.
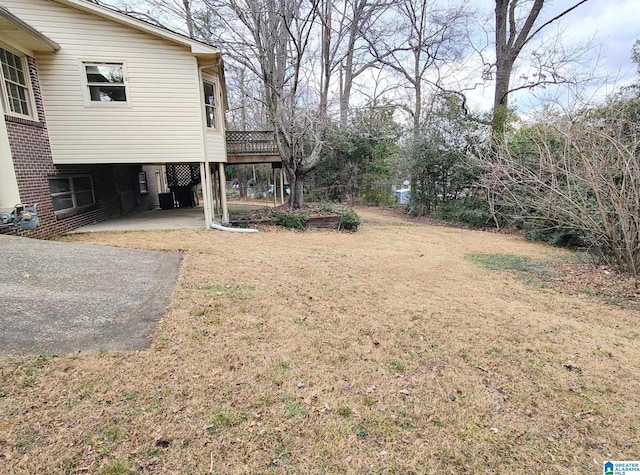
(315, 216)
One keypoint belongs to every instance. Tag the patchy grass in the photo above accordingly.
(385, 351)
(511, 262)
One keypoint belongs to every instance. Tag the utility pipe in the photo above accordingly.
(233, 230)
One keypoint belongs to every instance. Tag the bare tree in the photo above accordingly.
(516, 25)
(418, 39)
(273, 40)
(346, 25)
(172, 9)
(159, 12)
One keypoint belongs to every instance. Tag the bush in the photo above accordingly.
(349, 220)
(554, 235)
(378, 194)
(471, 210)
(290, 220)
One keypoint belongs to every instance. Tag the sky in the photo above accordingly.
(608, 27)
(613, 23)
(612, 27)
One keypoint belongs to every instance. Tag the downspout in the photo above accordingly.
(232, 230)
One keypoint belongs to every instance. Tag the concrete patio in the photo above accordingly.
(163, 220)
(154, 220)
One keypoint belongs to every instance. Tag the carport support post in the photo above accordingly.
(215, 197)
(275, 189)
(223, 193)
(213, 192)
(281, 186)
(206, 192)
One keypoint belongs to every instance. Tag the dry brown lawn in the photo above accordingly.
(384, 351)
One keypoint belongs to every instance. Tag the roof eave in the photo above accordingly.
(197, 48)
(38, 41)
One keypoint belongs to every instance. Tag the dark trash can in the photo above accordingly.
(184, 196)
(166, 200)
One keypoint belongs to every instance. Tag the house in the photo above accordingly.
(98, 108)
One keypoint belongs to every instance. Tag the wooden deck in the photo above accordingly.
(244, 147)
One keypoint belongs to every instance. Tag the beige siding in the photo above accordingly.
(216, 147)
(162, 121)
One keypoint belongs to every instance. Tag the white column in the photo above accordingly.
(208, 219)
(275, 188)
(9, 192)
(210, 188)
(281, 186)
(215, 192)
(163, 179)
(223, 193)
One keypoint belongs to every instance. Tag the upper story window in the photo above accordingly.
(106, 82)
(15, 84)
(210, 103)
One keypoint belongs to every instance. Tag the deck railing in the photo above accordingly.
(243, 143)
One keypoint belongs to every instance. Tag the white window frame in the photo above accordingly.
(86, 84)
(72, 193)
(216, 107)
(31, 103)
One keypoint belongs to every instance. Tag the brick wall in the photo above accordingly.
(115, 187)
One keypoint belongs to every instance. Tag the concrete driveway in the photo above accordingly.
(63, 297)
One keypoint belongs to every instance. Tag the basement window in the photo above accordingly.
(142, 183)
(106, 82)
(71, 192)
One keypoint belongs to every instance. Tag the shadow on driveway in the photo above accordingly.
(63, 297)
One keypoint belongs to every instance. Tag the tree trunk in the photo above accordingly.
(345, 90)
(417, 116)
(347, 69)
(240, 181)
(188, 17)
(296, 199)
(501, 97)
(325, 78)
(504, 42)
